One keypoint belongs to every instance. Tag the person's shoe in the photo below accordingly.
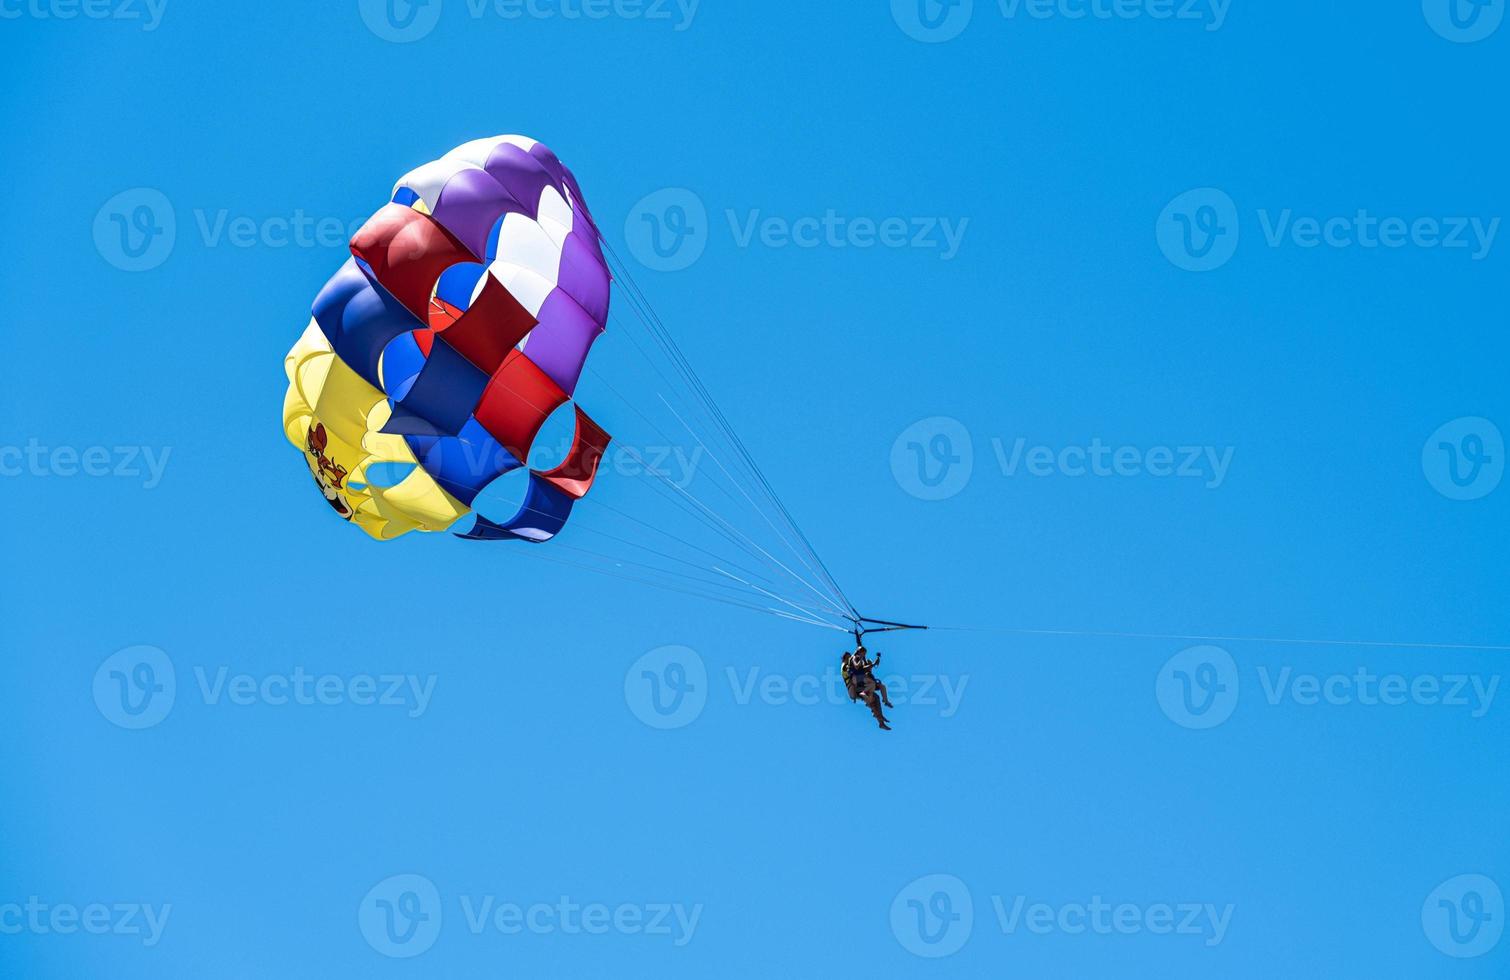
(885, 727)
(888, 704)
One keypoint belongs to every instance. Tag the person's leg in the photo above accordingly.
(884, 698)
(874, 704)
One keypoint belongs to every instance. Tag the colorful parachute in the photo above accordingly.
(461, 322)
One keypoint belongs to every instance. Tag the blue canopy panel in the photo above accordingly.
(402, 361)
(446, 390)
(463, 464)
(541, 517)
(457, 284)
(360, 318)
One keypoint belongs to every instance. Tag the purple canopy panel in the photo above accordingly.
(521, 175)
(584, 277)
(559, 345)
(471, 204)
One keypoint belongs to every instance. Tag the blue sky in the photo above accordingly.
(1179, 319)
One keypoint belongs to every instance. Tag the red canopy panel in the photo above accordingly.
(577, 471)
(516, 402)
(407, 251)
(489, 330)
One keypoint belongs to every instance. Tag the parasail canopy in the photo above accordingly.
(461, 322)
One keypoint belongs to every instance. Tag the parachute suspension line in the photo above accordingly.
(757, 588)
(653, 322)
(671, 388)
(706, 585)
(709, 517)
(618, 561)
(662, 477)
(713, 456)
(735, 483)
(1182, 637)
(690, 382)
(735, 531)
(668, 345)
(636, 409)
(712, 425)
(677, 538)
(532, 553)
(663, 571)
(634, 544)
(785, 600)
(779, 533)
